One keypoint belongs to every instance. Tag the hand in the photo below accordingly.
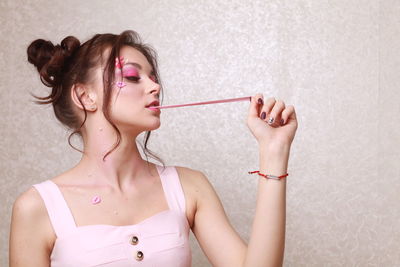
(265, 122)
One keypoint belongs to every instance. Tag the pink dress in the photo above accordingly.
(160, 240)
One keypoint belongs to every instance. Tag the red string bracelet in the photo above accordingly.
(268, 176)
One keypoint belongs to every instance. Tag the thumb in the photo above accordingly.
(255, 106)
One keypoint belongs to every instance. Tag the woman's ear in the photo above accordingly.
(83, 97)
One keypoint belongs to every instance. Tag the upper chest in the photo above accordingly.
(128, 208)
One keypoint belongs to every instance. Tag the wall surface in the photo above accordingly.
(336, 61)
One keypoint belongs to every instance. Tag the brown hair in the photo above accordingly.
(69, 63)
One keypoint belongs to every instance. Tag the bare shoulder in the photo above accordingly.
(29, 212)
(29, 205)
(30, 224)
(197, 185)
(193, 179)
(190, 174)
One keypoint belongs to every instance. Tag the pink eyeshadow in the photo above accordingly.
(130, 72)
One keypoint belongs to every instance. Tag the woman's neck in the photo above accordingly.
(119, 168)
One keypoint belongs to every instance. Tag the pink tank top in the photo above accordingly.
(160, 240)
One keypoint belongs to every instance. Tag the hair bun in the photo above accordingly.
(40, 52)
(69, 45)
(50, 60)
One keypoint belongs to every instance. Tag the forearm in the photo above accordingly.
(267, 240)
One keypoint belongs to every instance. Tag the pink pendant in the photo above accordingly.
(96, 200)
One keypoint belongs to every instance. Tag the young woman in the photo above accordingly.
(115, 208)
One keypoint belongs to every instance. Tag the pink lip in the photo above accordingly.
(155, 110)
(152, 104)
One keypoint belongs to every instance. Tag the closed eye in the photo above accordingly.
(132, 78)
(131, 74)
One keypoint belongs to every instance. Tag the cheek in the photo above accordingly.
(130, 91)
(127, 100)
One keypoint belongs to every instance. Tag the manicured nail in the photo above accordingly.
(260, 101)
(282, 121)
(263, 115)
(270, 120)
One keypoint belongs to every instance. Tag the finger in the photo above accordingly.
(267, 107)
(274, 116)
(288, 113)
(256, 105)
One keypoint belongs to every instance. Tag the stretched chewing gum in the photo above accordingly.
(247, 98)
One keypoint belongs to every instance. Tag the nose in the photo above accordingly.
(153, 87)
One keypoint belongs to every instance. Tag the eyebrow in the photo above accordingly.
(134, 64)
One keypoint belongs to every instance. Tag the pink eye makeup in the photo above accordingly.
(130, 71)
(119, 62)
(153, 78)
(131, 74)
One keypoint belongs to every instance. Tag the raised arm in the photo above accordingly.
(220, 242)
(267, 241)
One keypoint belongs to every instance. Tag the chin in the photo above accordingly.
(152, 125)
(155, 126)
(142, 126)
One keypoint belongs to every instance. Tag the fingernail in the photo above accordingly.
(282, 121)
(270, 120)
(260, 101)
(263, 115)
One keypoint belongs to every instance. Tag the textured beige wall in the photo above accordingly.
(336, 61)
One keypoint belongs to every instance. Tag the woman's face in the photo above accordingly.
(134, 89)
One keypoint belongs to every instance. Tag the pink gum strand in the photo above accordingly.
(247, 98)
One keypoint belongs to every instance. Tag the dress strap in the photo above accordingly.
(60, 215)
(172, 188)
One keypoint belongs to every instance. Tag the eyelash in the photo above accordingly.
(137, 78)
(133, 78)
